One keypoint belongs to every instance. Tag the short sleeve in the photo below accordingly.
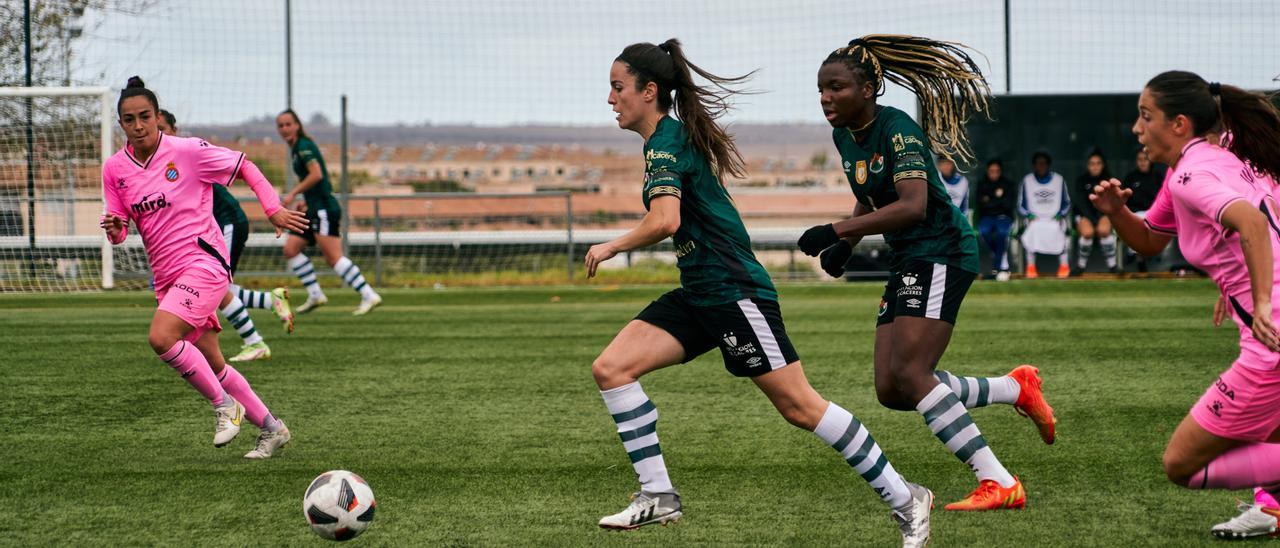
(1160, 216)
(308, 152)
(663, 172)
(908, 154)
(1205, 193)
(215, 164)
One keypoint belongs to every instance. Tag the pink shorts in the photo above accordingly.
(1243, 404)
(194, 297)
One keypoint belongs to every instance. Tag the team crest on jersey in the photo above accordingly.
(884, 307)
(171, 172)
(730, 339)
(120, 183)
(877, 163)
(860, 172)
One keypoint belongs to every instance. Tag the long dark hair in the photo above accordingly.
(943, 77)
(697, 106)
(302, 134)
(1106, 170)
(1251, 118)
(136, 88)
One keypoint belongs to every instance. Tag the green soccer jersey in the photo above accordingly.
(226, 209)
(713, 249)
(320, 195)
(893, 149)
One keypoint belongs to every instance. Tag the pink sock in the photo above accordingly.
(1243, 467)
(236, 385)
(1262, 498)
(187, 360)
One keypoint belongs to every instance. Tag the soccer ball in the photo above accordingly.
(339, 505)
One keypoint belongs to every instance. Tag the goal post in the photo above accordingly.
(53, 143)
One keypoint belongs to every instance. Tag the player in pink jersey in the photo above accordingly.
(1219, 202)
(163, 184)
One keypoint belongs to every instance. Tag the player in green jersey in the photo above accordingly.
(314, 195)
(888, 159)
(235, 230)
(726, 299)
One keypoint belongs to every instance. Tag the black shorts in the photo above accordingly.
(749, 332)
(324, 221)
(925, 290)
(235, 234)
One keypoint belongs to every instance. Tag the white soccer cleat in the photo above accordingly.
(280, 305)
(367, 305)
(252, 352)
(229, 418)
(1253, 521)
(269, 443)
(312, 304)
(645, 509)
(913, 520)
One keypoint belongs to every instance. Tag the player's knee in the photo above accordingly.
(891, 398)
(800, 414)
(609, 372)
(161, 342)
(1086, 232)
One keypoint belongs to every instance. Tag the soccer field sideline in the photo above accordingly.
(473, 415)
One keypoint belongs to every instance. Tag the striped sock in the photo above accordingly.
(844, 433)
(1109, 250)
(301, 266)
(1082, 252)
(251, 298)
(351, 276)
(981, 391)
(637, 421)
(951, 423)
(236, 313)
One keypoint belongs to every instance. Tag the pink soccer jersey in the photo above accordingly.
(170, 201)
(1205, 182)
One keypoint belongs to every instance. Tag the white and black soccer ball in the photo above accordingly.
(339, 505)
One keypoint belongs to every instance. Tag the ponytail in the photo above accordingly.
(948, 84)
(698, 107)
(1254, 124)
(1250, 118)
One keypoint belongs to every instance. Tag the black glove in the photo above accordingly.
(816, 239)
(835, 257)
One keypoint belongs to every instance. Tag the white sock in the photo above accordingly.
(951, 423)
(1082, 253)
(238, 315)
(1109, 250)
(251, 298)
(637, 421)
(844, 433)
(981, 391)
(303, 269)
(350, 274)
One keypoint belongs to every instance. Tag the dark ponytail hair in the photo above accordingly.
(697, 106)
(136, 88)
(942, 75)
(302, 134)
(1251, 119)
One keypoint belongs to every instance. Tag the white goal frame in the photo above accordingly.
(106, 121)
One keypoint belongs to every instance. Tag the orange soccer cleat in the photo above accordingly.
(990, 496)
(1031, 402)
(1031, 272)
(1064, 271)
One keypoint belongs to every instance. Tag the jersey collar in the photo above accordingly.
(128, 151)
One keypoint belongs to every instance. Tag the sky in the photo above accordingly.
(502, 62)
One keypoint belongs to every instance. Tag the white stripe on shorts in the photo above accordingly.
(323, 214)
(937, 289)
(228, 234)
(760, 326)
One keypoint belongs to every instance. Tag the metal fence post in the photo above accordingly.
(568, 210)
(345, 184)
(377, 241)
